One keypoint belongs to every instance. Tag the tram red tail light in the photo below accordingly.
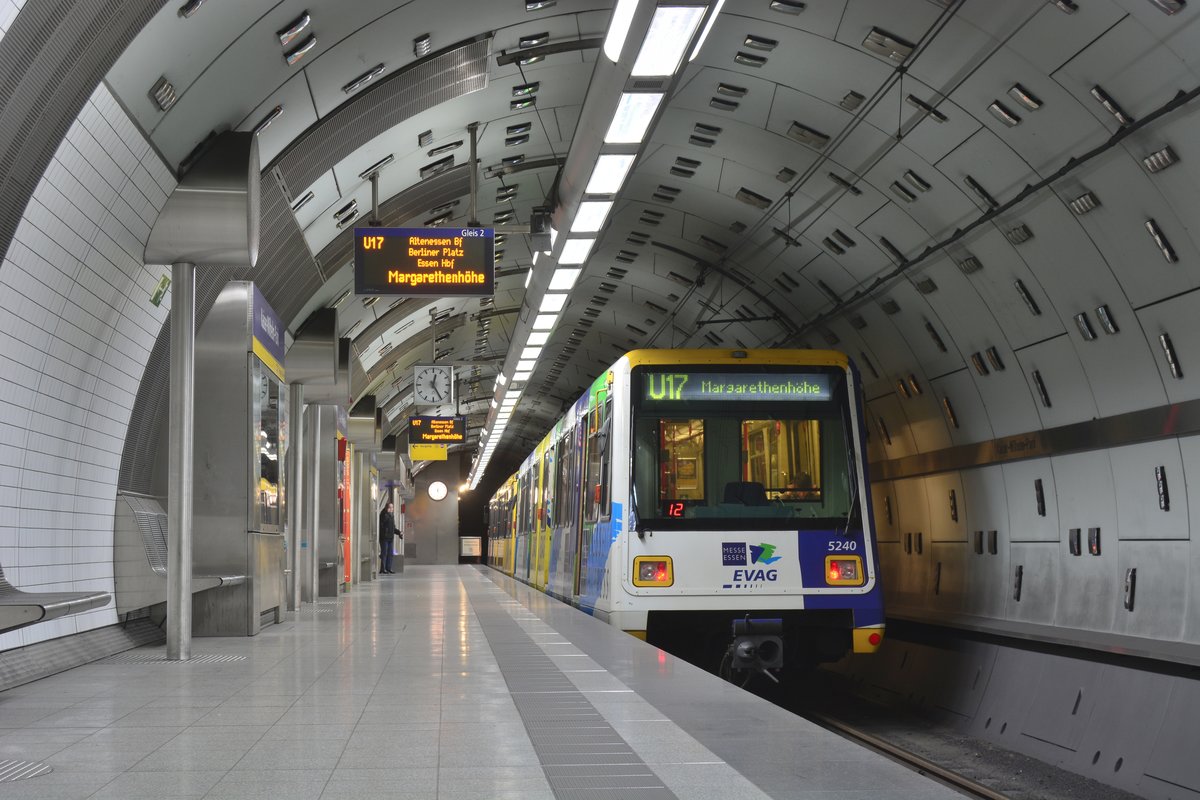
(653, 571)
(844, 571)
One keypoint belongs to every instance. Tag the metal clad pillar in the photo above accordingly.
(295, 492)
(211, 218)
(179, 471)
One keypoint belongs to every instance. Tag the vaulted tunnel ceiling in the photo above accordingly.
(806, 153)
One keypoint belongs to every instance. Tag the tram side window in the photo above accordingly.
(548, 481)
(596, 495)
(563, 466)
(526, 517)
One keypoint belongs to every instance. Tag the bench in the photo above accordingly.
(19, 608)
(141, 556)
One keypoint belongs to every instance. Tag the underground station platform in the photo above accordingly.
(442, 683)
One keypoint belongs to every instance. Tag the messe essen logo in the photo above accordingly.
(744, 554)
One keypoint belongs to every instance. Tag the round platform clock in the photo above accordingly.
(437, 490)
(433, 385)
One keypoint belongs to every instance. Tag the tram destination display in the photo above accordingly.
(437, 430)
(736, 387)
(425, 262)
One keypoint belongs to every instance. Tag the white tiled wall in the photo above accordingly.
(76, 328)
(8, 12)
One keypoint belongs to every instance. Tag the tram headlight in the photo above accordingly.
(844, 571)
(653, 571)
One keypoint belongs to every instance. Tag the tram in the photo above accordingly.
(709, 500)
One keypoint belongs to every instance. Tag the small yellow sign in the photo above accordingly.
(427, 452)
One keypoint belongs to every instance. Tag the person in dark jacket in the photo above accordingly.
(387, 530)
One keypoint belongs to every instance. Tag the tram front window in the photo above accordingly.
(722, 459)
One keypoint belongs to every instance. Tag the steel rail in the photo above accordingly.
(906, 757)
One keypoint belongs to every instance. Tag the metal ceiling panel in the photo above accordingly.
(325, 194)
(324, 228)
(855, 151)
(1132, 67)
(959, 48)
(1051, 38)
(1042, 134)
(1117, 227)
(986, 160)
(905, 20)
(297, 115)
(696, 96)
(158, 52)
(819, 18)
(1057, 365)
(939, 209)
(929, 136)
(458, 71)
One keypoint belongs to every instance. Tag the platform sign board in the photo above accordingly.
(425, 262)
(437, 430)
(470, 546)
(267, 334)
(427, 452)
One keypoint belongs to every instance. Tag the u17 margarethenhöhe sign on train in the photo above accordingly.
(425, 262)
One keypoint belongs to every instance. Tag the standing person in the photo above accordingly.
(387, 530)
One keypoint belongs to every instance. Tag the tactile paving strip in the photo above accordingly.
(159, 658)
(582, 756)
(22, 770)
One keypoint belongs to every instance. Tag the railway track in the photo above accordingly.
(908, 758)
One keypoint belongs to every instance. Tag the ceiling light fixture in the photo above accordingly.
(671, 29)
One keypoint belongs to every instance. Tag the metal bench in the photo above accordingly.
(19, 608)
(141, 556)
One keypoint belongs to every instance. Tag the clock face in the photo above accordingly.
(433, 385)
(437, 490)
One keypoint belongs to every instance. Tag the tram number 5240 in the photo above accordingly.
(666, 386)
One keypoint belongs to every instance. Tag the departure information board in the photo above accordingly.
(437, 430)
(425, 262)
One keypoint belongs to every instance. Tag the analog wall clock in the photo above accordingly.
(437, 490)
(433, 385)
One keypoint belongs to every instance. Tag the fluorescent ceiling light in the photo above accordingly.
(618, 28)
(707, 29)
(575, 251)
(526, 365)
(544, 322)
(522, 376)
(541, 337)
(536, 253)
(528, 277)
(590, 216)
(529, 352)
(632, 117)
(670, 31)
(553, 237)
(562, 281)
(609, 174)
(553, 302)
